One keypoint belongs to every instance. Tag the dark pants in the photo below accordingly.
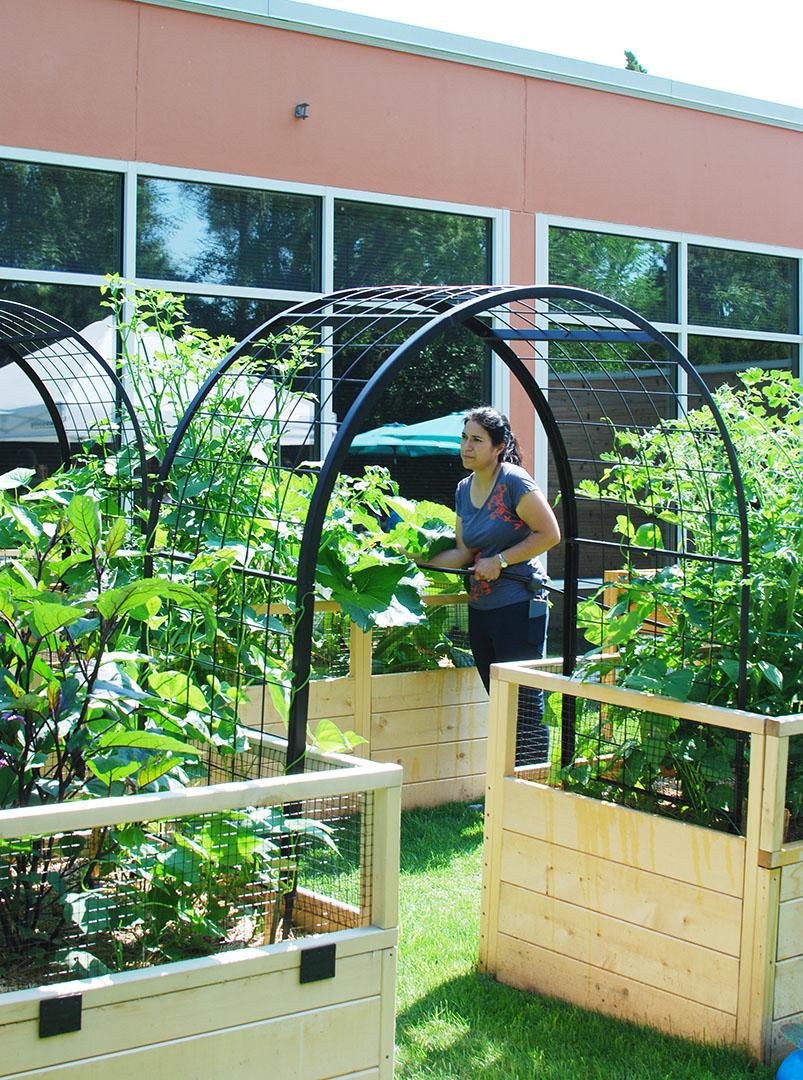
(512, 633)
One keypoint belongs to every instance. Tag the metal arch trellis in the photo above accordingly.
(608, 371)
(84, 397)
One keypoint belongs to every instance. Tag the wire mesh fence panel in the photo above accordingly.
(669, 766)
(793, 830)
(331, 645)
(118, 897)
(440, 640)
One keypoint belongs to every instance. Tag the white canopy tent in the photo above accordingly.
(85, 399)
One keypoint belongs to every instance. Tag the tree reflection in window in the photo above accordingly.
(60, 219)
(212, 233)
(639, 273)
(403, 245)
(742, 289)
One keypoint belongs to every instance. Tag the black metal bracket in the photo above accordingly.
(60, 1015)
(317, 962)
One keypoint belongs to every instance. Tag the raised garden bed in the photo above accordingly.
(645, 915)
(432, 722)
(318, 1004)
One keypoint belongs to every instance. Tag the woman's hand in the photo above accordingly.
(417, 559)
(487, 569)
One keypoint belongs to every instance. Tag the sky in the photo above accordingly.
(750, 48)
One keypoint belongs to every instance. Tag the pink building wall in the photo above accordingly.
(119, 79)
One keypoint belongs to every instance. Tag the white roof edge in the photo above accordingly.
(368, 30)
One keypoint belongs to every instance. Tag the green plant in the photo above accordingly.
(677, 474)
(86, 713)
(234, 556)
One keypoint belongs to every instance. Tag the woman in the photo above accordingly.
(503, 523)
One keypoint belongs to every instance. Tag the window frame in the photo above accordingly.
(133, 170)
(682, 328)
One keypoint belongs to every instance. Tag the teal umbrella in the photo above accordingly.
(438, 436)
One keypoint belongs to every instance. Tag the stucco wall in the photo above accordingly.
(119, 79)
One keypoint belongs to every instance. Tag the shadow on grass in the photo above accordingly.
(473, 1028)
(432, 838)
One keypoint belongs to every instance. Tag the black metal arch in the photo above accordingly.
(606, 369)
(84, 397)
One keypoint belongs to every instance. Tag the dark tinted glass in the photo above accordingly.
(642, 274)
(56, 218)
(227, 235)
(742, 290)
(594, 388)
(76, 305)
(718, 359)
(232, 315)
(383, 245)
(450, 374)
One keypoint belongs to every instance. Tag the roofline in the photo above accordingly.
(438, 44)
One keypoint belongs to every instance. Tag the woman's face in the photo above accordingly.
(477, 452)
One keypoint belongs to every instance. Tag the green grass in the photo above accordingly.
(454, 1024)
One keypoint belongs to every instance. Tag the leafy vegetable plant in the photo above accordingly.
(675, 630)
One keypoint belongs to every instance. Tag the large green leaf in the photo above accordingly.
(115, 537)
(16, 478)
(371, 591)
(125, 600)
(25, 522)
(83, 514)
(48, 615)
(145, 740)
(92, 911)
(178, 686)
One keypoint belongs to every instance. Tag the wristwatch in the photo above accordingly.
(502, 560)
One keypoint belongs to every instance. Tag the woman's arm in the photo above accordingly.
(537, 514)
(453, 558)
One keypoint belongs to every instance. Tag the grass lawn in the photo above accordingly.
(454, 1024)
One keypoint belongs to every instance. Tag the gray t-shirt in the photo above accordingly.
(494, 527)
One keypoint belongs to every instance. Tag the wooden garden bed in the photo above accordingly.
(432, 723)
(242, 1011)
(694, 931)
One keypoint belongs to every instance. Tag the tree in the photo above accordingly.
(632, 64)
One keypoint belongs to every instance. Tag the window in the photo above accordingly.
(238, 252)
(639, 273)
(76, 305)
(718, 359)
(397, 245)
(742, 289)
(60, 219)
(227, 235)
(749, 291)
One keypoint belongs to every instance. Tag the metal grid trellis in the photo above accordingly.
(83, 404)
(232, 478)
(794, 790)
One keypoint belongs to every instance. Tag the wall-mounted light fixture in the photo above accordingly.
(302, 110)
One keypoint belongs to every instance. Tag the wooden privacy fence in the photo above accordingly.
(646, 917)
(433, 722)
